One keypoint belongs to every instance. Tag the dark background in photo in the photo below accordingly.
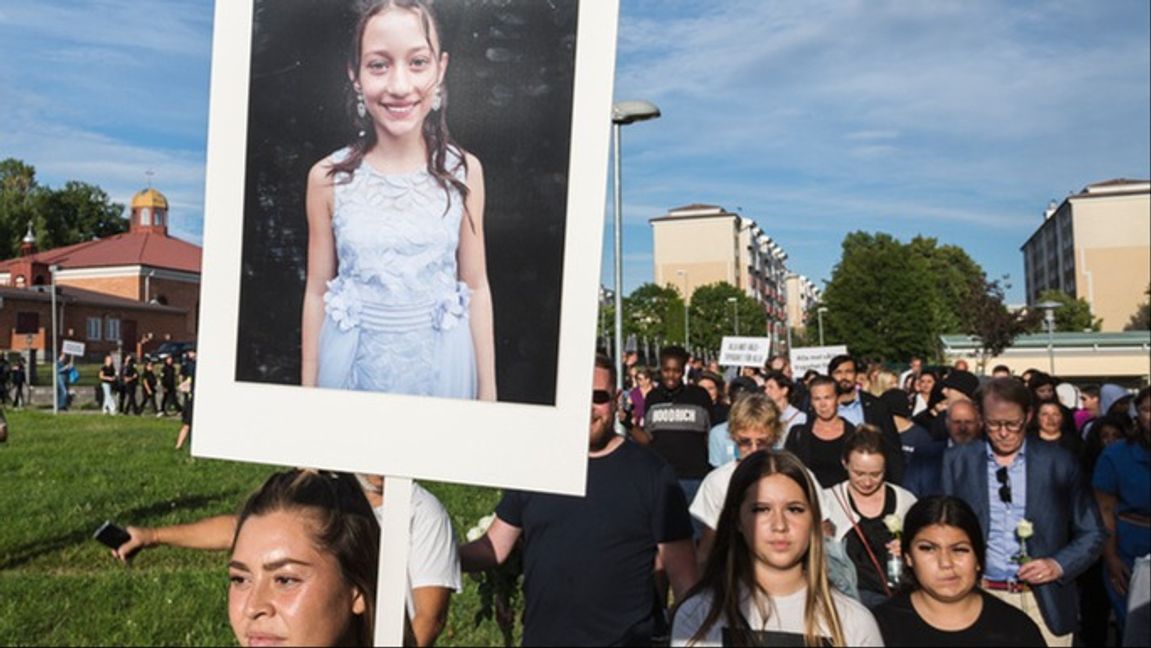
(509, 86)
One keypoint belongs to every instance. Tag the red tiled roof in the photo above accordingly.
(131, 248)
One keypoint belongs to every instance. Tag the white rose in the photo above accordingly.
(475, 533)
(893, 523)
(1024, 529)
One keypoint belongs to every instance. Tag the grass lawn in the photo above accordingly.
(61, 477)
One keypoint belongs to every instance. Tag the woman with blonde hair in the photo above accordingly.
(882, 381)
(766, 582)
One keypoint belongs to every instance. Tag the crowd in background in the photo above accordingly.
(856, 506)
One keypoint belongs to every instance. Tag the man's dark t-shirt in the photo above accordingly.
(998, 624)
(681, 442)
(588, 561)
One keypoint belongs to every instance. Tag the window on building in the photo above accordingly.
(27, 323)
(94, 328)
(112, 328)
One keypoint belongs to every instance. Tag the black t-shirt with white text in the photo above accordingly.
(679, 421)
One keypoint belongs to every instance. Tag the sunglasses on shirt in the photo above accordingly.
(1004, 480)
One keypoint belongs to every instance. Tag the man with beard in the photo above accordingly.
(924, 473)
(857, 406)
(589, 562)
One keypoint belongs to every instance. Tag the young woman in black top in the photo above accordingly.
(819, 442)
(942, 605)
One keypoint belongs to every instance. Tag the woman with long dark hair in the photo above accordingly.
(765, 582)
(397, 297)
(304, 563)
(942, 604)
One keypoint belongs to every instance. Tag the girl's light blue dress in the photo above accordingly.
(396, 315)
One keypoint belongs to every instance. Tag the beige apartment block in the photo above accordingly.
(698, 245)
(1096, 245)
(802, 296)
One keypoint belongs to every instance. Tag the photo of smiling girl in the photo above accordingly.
(397, 297)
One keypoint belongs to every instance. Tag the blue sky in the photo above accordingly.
(958, 120)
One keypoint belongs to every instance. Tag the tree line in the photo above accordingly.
(76, 212)
(886, 299)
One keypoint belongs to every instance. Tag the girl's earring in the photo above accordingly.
(360, 109)
(437, 100)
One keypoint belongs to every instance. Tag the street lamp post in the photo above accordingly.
(1049, 320)
(819, 313)
(686, 320)
(622, 113)
(734, 313)
(52, 356)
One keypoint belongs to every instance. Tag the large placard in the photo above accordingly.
(744, 351)
(527, 97)
(804, 359)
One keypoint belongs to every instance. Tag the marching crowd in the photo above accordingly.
(856, 507)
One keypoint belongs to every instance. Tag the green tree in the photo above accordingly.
(18, 191)
(713, 316)
(1073, 315)
(991, 322)
(77, 212)
(1141, 318)
(654, 313)
(882, 300)
(956, 277)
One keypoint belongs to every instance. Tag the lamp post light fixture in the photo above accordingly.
(819, 313)
(1049, 308)
(734, 312)
(623, 113)
(686, 320)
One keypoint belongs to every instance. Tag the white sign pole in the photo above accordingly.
(392, 584)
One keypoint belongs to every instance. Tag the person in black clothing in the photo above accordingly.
(129, 381)
(589, 562)
(1042, 388)
(5, 376)
(819, 442)
(188, 374)
(168, 385)
(713, 384)
(148, 384)
(19, 377)
(942, 605)
(857, 406)
(677, 421)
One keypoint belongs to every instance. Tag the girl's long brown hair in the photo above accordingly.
(437, 140)
(730, 569)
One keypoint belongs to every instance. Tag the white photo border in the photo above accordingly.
(508, 445)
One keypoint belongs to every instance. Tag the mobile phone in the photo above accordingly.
(111, 535)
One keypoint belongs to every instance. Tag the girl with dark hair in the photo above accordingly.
(304, 563)
(942, 605)
(1049, 425)
(765, 582)
(397, 297)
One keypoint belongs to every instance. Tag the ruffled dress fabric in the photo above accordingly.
(396, 315)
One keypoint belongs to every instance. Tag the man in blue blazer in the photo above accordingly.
(1010, 479)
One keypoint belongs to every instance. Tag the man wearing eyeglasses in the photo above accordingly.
(589, 561)
(1042, 527)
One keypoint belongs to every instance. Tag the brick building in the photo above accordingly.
(130, 291)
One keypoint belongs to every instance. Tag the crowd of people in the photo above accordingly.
(826, 514)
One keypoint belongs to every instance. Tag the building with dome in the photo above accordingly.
(125, 292)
